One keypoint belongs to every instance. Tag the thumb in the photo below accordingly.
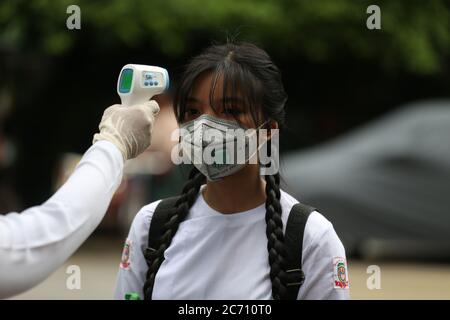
(153, 105)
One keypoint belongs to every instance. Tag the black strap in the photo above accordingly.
(293, 239)
(160, 217)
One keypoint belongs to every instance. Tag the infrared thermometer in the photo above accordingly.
(139, 83)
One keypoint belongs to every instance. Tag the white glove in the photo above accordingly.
(129, 128)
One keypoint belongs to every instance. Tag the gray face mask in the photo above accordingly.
(217, 147)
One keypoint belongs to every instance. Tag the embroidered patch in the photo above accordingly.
(125, 262)
(340, 273)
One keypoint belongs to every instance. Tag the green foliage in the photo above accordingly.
(414, 35)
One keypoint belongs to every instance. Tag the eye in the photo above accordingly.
(191, 111)
(232, 110)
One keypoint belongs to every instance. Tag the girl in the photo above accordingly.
(223, 236)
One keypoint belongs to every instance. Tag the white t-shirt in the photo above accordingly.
(224, 256)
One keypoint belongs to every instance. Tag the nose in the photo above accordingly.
(207, 109)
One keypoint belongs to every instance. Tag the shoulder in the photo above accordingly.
(316, 225)
(319, 234)
(141, 224)
(144, 216)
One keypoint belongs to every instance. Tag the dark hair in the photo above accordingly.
(247, 68)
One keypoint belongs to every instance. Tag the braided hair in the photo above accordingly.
(179, 212)
(249, 69)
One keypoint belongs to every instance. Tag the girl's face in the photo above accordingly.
(225, 107)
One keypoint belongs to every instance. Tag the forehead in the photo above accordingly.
(209, 83)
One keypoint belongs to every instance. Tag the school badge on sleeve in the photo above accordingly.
(125, 262)
(340, 273)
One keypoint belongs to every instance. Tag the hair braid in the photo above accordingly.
(180, 211)
(275, 236)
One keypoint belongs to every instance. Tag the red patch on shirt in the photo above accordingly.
(125, 262)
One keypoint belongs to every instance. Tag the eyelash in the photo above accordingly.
(232, 111)
(191, 111)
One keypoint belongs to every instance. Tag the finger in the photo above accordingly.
(109, 110)
(153, 105)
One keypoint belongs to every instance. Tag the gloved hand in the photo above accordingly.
(129, 128)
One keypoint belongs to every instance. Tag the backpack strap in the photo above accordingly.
(293, 240)
(160, 216)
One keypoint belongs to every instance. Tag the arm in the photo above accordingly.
(37, 241)
(323, 254)
(133, 267)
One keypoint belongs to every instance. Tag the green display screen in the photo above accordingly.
(125, 80)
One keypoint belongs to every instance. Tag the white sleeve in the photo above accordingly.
(323, 262)
(133, 267)
(36, 242)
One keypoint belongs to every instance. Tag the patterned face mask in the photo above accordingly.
(217, 147)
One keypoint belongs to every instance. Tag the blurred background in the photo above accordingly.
(368, 127)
